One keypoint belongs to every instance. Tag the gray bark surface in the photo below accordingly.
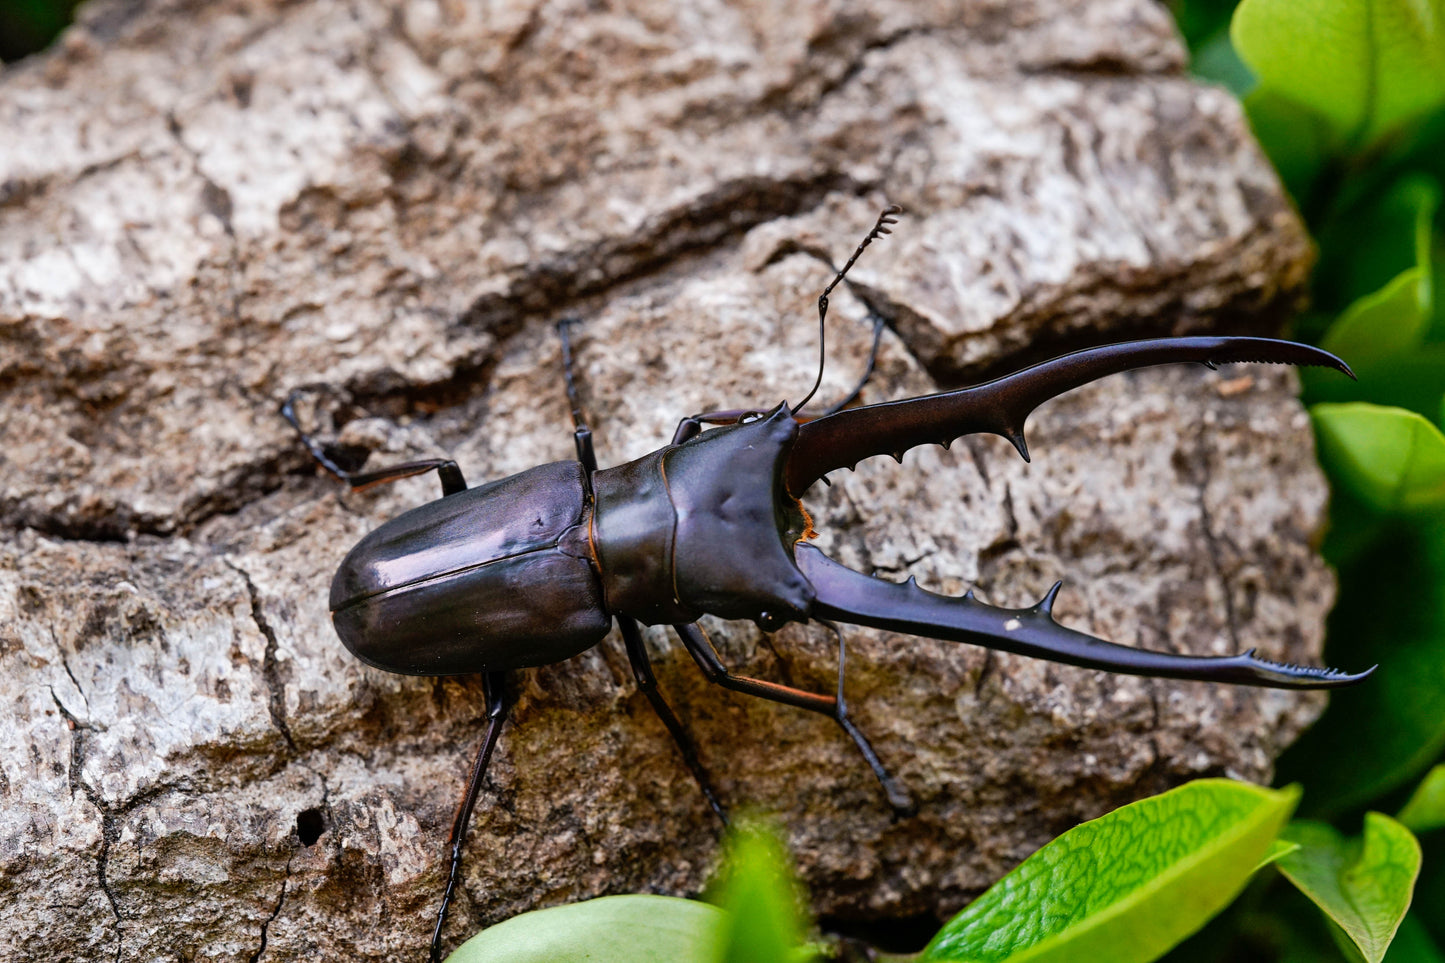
(204, 205)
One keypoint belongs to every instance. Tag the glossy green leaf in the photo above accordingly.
(1392, 459)
(1124, 887)
(611, 929)
(760, 898)
(1383, 249)
(1363, 885)
(1425, 809)
(1367, 66)
(1390, 321)
(1278, 848)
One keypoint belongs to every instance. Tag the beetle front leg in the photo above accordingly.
(494, 686)
(699, 646)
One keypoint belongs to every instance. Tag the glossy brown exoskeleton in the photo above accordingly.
(535, 568)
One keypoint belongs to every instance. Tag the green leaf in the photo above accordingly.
(1278, 848)
(1425, 809)
(1392, 459)
(1124, 887)
(760, 897)
(1390, 321)
(1367, 66)
(1430, 889)
(1362, 885)
(611, 929)
(1200, 21)
(1413, 380)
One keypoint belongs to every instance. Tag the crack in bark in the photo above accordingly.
(905, 563)
(704, 223)
(855, 66)
(108, 831)
(275, 912)
(65, 664)
(1211, 542)
(1009, 541)
(270, 668)
(980, 463)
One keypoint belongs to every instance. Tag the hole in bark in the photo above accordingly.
(309, 826)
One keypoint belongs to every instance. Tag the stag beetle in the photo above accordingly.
(535, 568)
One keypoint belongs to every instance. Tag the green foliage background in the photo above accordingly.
(1348, 99)
(29, 25)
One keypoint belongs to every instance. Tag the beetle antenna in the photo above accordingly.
(882, 226)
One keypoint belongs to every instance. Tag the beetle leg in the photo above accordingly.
(698, 645)
(1001, 406)
(690, 426)
(647, 682)
(446, 469)
(898, 796)
(851, 596)
(494, 686)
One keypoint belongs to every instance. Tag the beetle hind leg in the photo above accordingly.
(446, 469)
(850, 596)
(494, 685)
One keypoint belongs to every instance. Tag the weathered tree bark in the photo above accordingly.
(204, 205)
